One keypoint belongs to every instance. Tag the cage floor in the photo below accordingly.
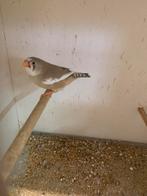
(65, 165)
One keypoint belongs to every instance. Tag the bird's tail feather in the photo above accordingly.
(81, 75)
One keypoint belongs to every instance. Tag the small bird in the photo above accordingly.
(46, 75)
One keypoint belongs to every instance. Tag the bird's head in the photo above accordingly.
(31, 66)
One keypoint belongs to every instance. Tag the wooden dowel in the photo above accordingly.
(15, 149)
(18, 144)
(3, 188)
(143, 114)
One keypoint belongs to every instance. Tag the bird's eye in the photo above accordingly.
(33, 65)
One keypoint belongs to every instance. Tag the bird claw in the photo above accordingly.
(48, 93)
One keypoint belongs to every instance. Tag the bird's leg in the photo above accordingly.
(48, 92)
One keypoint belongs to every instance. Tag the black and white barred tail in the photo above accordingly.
(81, 75)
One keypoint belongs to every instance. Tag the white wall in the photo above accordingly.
(8, 110)
(108, 39)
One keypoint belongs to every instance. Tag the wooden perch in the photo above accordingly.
(21, 139)
(18, 144)
(143, 114)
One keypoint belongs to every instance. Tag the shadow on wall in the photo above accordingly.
(14, 101)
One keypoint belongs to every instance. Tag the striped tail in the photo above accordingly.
(81, 75)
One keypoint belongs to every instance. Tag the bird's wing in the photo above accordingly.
(53, 73)
(51, 80)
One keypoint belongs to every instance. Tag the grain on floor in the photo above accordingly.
(64, 165)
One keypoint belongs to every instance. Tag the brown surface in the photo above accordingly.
(3, 189)
(143, 114)
(57, 165)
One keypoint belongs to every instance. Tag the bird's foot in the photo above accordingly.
(48, 93)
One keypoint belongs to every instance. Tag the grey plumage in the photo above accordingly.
(45, 74)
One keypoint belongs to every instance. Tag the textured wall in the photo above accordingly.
(108, 39)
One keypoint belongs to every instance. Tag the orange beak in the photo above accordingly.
(26, 63)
